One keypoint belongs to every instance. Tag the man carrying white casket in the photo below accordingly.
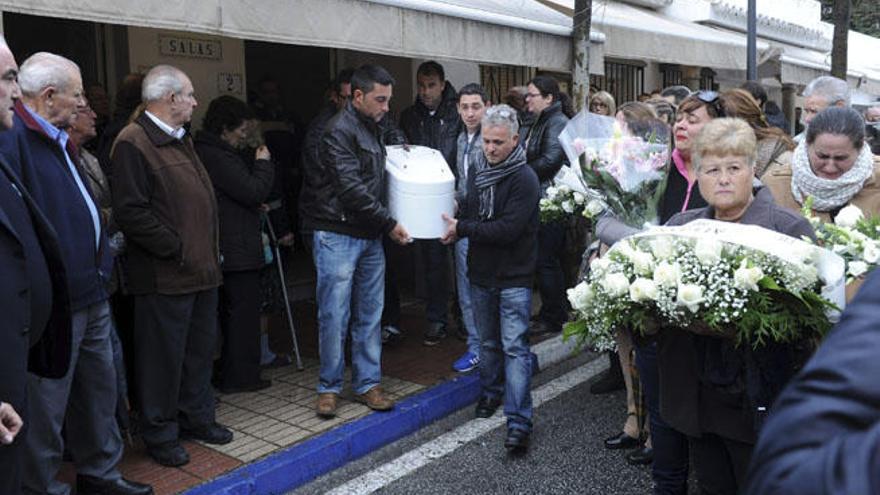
(347, 242)
(500, 219)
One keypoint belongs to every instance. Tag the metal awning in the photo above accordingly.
(515, 32)
(637, 33)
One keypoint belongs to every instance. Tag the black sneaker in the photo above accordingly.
(391, 335)
(435, 333)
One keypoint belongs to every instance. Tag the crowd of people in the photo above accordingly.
(132, 221)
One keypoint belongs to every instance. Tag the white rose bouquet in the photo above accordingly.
(562, 201)
(700, 284)
(853, 236)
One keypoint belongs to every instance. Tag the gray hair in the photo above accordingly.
(501, 115)
(832, 89)
(161, 80)
(42, 70)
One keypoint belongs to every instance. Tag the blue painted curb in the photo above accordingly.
(289, 469)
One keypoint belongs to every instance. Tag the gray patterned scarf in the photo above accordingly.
(828, 194)
(489, 176)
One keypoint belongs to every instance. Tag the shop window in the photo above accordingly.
(624, 80)
(672, 75)
(707, 79)
(498, 79)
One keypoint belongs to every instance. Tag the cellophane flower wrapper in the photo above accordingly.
(625, 167)
(688, 277)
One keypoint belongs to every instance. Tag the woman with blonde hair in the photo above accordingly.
(774, 145)
(602, 103)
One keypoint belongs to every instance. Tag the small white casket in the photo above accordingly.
(420, 188)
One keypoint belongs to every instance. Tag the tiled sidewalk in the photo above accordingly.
(283, 415)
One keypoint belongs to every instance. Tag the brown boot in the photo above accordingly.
(375, 399)
(326, 407)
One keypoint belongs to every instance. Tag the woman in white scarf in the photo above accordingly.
(834, 166)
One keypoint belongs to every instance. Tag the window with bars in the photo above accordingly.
(707, 79)
(498, 79)
(624, 80)
(672, 75)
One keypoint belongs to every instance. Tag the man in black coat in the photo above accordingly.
(33, 296)
(500, 218)
(431, 121)
(823, 432)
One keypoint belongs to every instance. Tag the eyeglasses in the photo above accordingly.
(533, 95)
(711, 98)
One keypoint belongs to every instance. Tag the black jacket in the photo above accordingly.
(709, 385)
(438, 131)
(503, 251)
(240, 189)
(544, 153)
(823, 433)
(349, 182)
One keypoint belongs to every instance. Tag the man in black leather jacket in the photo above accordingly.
(433, 121)
(349, 219)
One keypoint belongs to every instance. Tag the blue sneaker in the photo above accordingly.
(466, 363)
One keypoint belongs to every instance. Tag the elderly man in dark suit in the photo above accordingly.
(33, 296)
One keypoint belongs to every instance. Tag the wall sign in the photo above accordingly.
(177, 46)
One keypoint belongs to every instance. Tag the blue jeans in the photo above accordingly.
(502, 317)
(464, 296)
(350, 286)
(670, 467)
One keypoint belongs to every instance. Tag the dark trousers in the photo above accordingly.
(240, 299)
(175, 337)
(551, 278)
(391, 307)
(720, 464)
(670, 467)
(435, 265)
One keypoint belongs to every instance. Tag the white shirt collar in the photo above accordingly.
(175, 133)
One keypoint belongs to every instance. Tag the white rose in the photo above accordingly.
(567, 206)
(747, 278)
(663, 248)
(643, 262)
(599, 265)
(544, 203)
(667, 274)
(593, 208)
(643, 289)
(578, 198)
(708, 251)
(625, 249)
(615, 284)
(552, 192)
(857, 268)
(848, 216)
(564, 189)
(871, 252)
(580, 296)
(690, 295)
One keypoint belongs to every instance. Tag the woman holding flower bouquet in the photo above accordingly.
(832, 169)
(551, 110)
(712, 390)
(670, 448)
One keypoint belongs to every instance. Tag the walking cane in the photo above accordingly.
(274, 240)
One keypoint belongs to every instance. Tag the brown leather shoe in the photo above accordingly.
(375, 399)
(326, 407)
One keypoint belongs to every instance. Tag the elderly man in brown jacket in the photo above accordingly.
(165, 206)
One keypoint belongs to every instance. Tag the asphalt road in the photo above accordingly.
(566, 455)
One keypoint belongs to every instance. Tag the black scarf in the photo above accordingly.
(487, 178)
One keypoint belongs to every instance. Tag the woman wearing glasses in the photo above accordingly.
(670, 447)
(551, 110)
(602, 103)
(834, 166)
